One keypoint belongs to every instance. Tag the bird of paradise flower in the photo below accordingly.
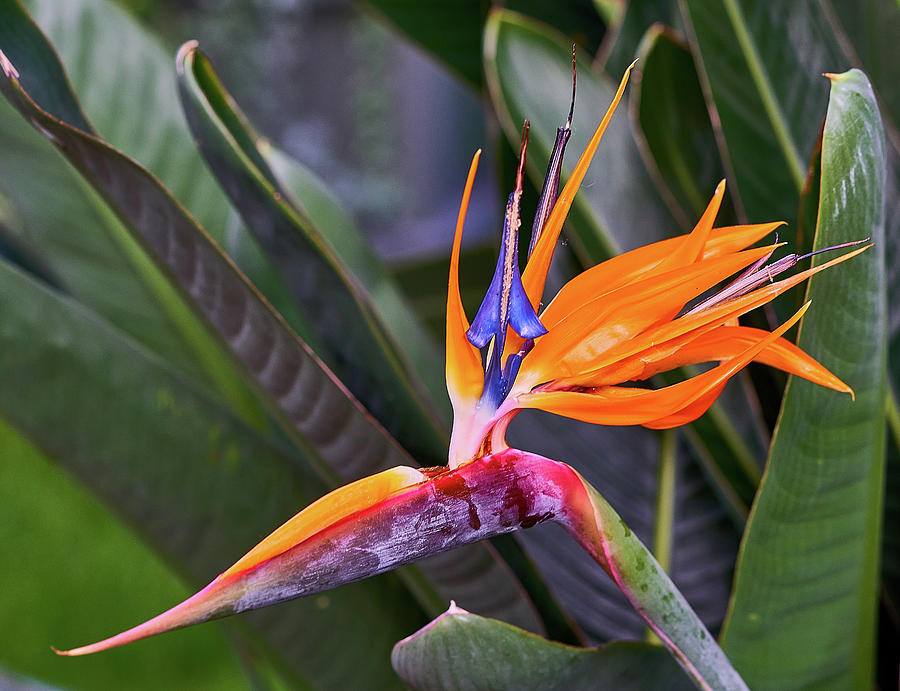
(621, 321)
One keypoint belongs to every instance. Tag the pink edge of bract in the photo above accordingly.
(196, 609)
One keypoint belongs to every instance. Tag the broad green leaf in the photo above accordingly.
(312, 405)
(369, 333)
(870, 29)
(760, 65)
(104, 566)
(529, 72)
(459, 650)
(133, 103)
(675, 130)
(185, 472)
(807, 576)
(451, 31)
(622, 43)
(98, 262)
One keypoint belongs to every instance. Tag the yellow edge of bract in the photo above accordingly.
(535, 274)
(326, 511)
(465, 376)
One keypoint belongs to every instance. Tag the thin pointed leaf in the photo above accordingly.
(184, 471)
(377, 346)
(807, 577)
(459, 650)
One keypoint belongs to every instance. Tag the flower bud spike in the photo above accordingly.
(506, 303)
(550, 190)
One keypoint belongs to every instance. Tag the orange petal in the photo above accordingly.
(690, 326)
(535, 274)
(465, 375)
(581, 341)
(691, 248)
(629, 406)
(727, 342)
(641, 263)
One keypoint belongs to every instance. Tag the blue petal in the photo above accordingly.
(506, 302)
(522, 317)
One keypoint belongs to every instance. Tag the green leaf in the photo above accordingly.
(675, 130)
(870, 29)
(368, 332)
(24, 43)
(623, 40)
(311, 404)
(807, 577)
(529, 73)
(132, 101)
(449, 29)
(71, 534)
(101, 264)
(393, 314)
(194, 480)
(459, 650)
(760, 66)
